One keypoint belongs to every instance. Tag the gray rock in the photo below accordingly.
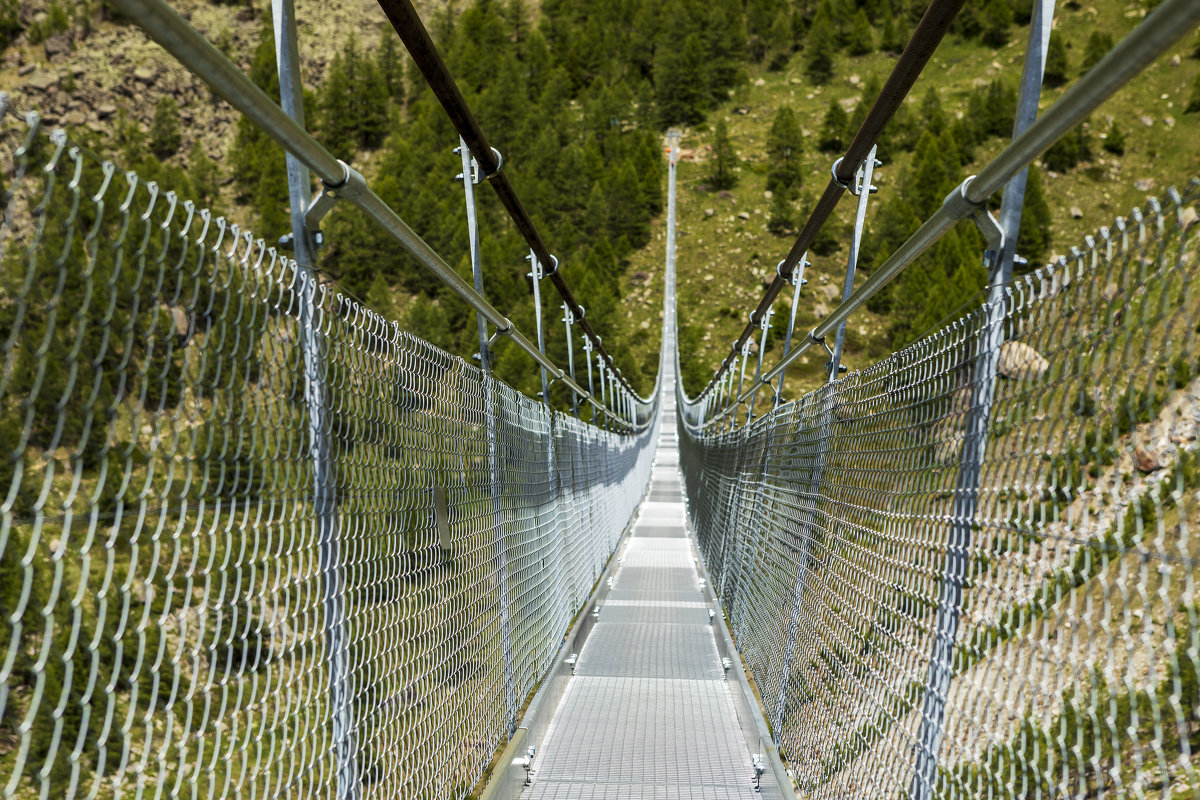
(105, 111)
(1076, 212)
(1019, 361)
(832, 293)
(743, 215)
(1143, 185)
(41, 81)
(25, 70)
(708, 212)
(144, 74)
(60, 44)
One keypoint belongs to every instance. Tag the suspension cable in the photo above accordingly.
(197, 54)
(925, 40)
(424, 53)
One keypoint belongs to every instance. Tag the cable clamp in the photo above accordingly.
(833, 172)
(499, 166)
(546, 273)
(960, 206)
(352, 184)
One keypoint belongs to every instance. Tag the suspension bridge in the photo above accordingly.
(257, 541)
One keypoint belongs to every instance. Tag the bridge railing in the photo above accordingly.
(1028, 627)
(966, 571)
(255, 540)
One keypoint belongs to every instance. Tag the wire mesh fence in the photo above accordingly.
(944, 596)
(255, 541)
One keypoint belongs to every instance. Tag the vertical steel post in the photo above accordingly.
(765, 325)
(603, 390)
(863, 189)
(568, 319)
(797, 282)
(316, 399)
(587, 349)
(470, 177)
(536, 274)
(984, 363)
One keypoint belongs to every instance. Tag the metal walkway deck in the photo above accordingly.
(648, 713)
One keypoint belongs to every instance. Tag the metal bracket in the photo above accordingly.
(959, 204)
(858, 181)
(546, 273)
(352, 184)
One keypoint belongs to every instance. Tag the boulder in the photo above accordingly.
(1146, 460)
(60, 44)
(1019, 361)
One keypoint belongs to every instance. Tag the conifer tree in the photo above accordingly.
(165, 137)
(1056, 62)
(679, 84)
(819, 47)
(390, 67)
(833, 129)
(1098, 45)
(781, 220)
(726, 45)
(204, 172)
(1114, 140)
(784, 144)
(723, 170)
(1068, 151)
(933, 117)
(997, 16)
(779, 43)
(759, 18)
(258, 163)
(1033, 238)
(894, 37)
(862, 40)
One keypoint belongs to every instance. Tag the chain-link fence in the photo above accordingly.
(255, 541)
(944, 596)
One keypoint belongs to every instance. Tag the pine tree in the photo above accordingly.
(894, 38)
(390, 67)
(1033, 238)
(165, 137)
(257, 162)
(678, 82)
(1114, 139)
(723, 172)
(1068, 151)
(833, 129)
(379, 297)
(997, 16)
(784, 144)
(726, 45)
(1098, 45)
(204, 172)
(779, 43)
(781, 219)
(1056, 62)
(933, 117)
(862, 41)
(819, 48)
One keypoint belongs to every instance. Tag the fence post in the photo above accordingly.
(798, 282)
(470, 177)
(984, 364)
(863, 189)
(337, 641)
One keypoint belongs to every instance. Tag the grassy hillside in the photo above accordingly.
(723, 259)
